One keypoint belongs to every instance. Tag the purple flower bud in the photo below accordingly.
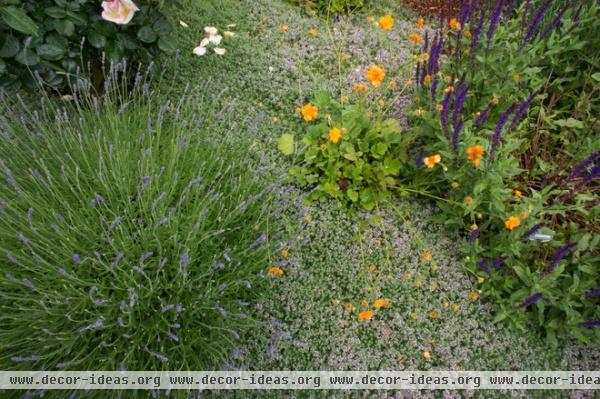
(419, 158)
(581, 167)
(496, 14)
(457, 129)
(483, 116)
(499, 262)
(172, 336)
(473, 236)
(531, 300)
(536, 21)
(499, 127)
(483, 265)
(532, 231)
(555, 21)
(589, 324)
(558, 256)
(593, 293)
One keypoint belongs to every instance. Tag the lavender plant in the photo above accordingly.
(133, 230)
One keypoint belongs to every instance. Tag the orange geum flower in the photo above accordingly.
(430, 161)
(512, 222)
(426, 355)
(469, 200)
(455, 184)
(416, 38)
(284, 27)
(518, 193)
(454, 24)
(276, 271)
(427, 256)
(372, 267)
(314, 32)
(310, 112)
(382, 303)
(427, 79)
(420, 23)
(375, 75)
(467, 34)
(386, 22)
(455, 309)
(365, 315)
(475, 152)
(473, 296)
(434, 314)
(285, 252)
(393, 86)
(334, 135)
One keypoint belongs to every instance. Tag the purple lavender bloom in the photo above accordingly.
(419, 157)
(114, 224)
(434, 86)
(434, 55)
(457, 129)
(473, 236)
(483, 265)
(532, 231)
(499, 262)
(555, 21)
(498, 132)
(531, 300)
(593, 293)
(521, 111)
(536, 21)
(185, 259)
(221, 310)
(234, 334)
(580, 168)
(76, 259)
(558, 255)
(172, 336)
(483, 116)
(494, 21)
(589, 324)
(595, 173)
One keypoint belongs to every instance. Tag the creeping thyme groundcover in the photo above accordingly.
(304, 186)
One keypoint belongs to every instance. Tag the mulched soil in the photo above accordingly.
(434, 7)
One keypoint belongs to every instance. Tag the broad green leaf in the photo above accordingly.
(146, 34)
(50, 52)
(97, 40)
(17, 19)
(285, 143)
(167, 44)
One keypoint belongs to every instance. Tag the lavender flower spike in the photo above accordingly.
(473, 236)
(558, 255)
(483, 116)
(498, 132)
(457, 129)
(483, 265)
(531, 300)
(554, 23)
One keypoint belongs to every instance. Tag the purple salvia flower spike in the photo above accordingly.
(589, 324)
(457, 129)
(535, 22)
(581, 167)
(521, 111)
(532, 231)
(496, 14)
(473, 236)
(558, 256)
(531, 300)
(483, 116)
(499, 127)
(593, 293)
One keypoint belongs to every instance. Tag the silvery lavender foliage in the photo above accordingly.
(531, 300)
(499, 127)
(521, 111)
(535, 22)
(559, 254)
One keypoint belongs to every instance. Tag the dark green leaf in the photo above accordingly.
(51, 52)
(10, 47)
(97, 40)
(147, 35)
(27, 57)
(17, 19)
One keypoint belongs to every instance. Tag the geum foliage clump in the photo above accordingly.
(507, 135)
(132, 231)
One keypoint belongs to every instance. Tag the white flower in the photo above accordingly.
(230, 26)
(228, 33)
(216, 39)
(204, 42)
(183, 24)
(118, 11)
(200, 50)
(67, 97)
(271, 69)
(211, 30)
(219, 50)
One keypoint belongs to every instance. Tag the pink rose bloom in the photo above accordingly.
(118, 11)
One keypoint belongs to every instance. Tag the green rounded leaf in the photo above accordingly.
(162, 27)
(51, 52)
(167, 44)
(97, 40)
(10, 48)
(285, 143)
(147, 35)
(27, 57)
